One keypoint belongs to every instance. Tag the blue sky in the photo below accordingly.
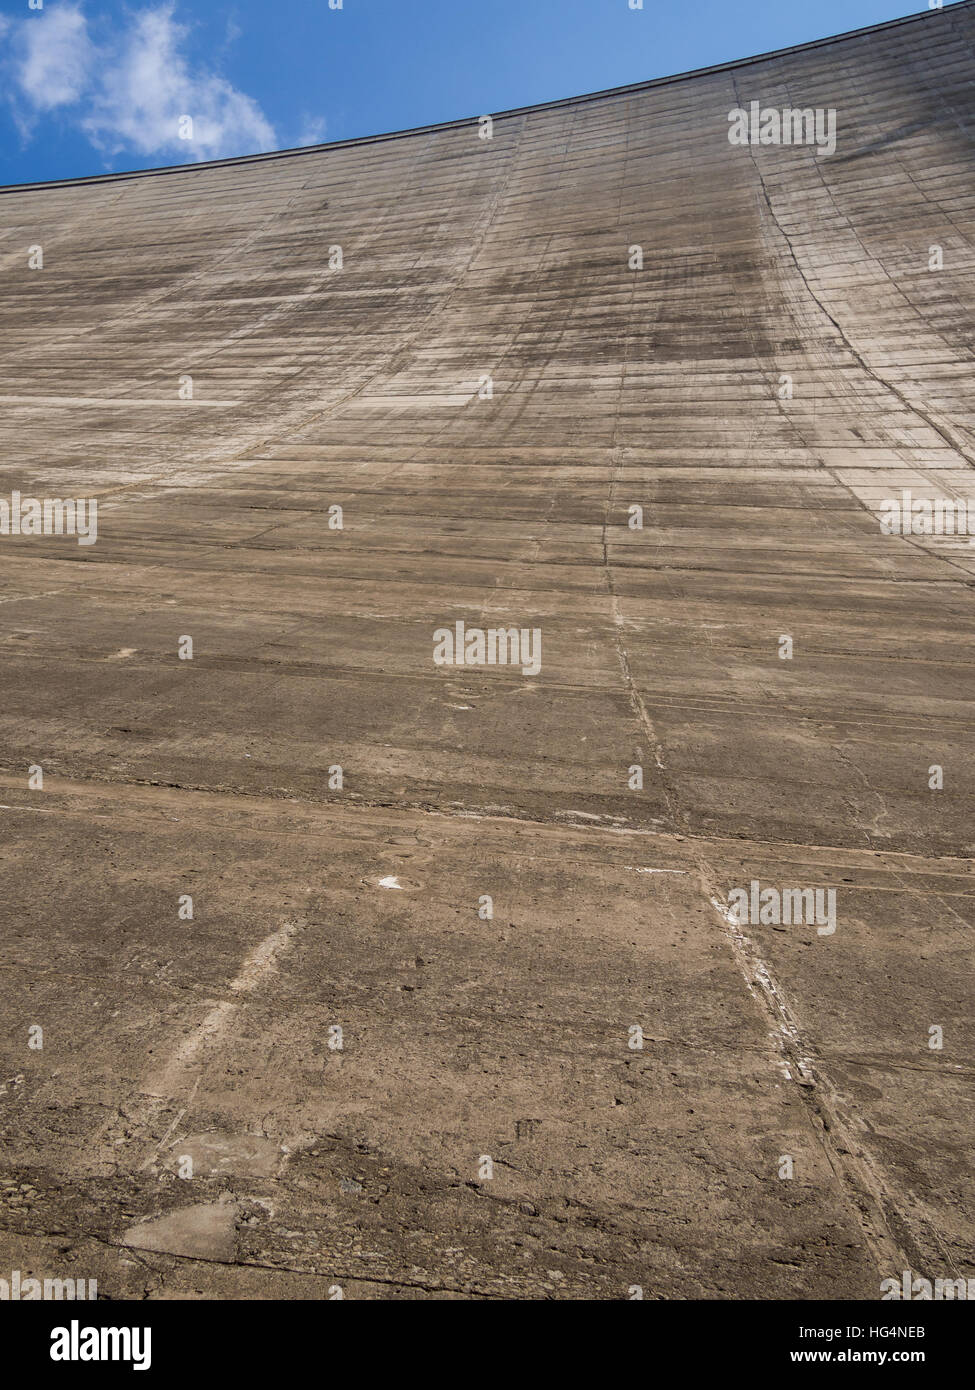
(89, 86)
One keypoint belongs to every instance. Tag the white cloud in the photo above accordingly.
(142, 98)
(54, 57)
(134, 91)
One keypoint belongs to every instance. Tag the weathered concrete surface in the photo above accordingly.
(164, 1039)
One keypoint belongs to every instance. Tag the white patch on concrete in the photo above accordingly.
(756, 972)
(602, 821)
(727, 912)
(203, 1232)
(171, 1078)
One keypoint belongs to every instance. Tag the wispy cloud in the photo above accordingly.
(134, 91)
(312, 131)
(143, 99)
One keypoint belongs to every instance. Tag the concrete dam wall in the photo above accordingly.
(488, 804)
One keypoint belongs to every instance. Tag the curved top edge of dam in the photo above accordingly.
(266, 155)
